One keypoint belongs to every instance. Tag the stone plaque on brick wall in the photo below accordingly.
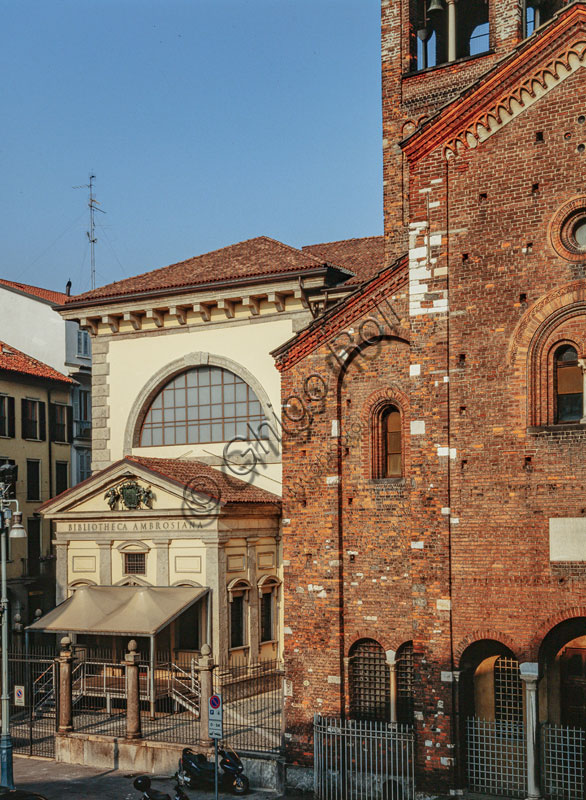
(567, 539)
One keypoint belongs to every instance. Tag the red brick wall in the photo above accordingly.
(469, 524)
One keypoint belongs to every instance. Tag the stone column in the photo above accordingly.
(64, 661)
(253, 602)
(530, 675)
(60, 571)
(133, 729)
(105, 562)
(162, 563)
(205, 664)
(392, 664)
(452, 38)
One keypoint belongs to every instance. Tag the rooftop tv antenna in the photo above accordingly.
(91, 234)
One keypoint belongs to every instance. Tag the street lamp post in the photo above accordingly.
(17, 531)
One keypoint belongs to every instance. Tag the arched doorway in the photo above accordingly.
(369, 679)
(563, 663)
(491, 713)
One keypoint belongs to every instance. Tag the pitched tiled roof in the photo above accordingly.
(253, 258)
(12, 360)
(203, 478)
(35, 291)
(365, 256)
(364, 299)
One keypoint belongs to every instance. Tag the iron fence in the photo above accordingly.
(363, 759)
(562, 759)
(252, 696)
(32, 684)
(496, 757)
(169, 721)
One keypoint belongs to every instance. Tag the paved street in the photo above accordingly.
(60, 781)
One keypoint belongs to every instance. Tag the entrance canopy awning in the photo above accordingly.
(119, 610)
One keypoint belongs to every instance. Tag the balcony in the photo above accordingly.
(82, 429)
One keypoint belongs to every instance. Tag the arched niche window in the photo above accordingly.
(369, 678)
(387, 445)
(539, 11)
(569, 386)
(238, 598)
(204, 404)
(268, 587)
(431, 44)
(404, 677)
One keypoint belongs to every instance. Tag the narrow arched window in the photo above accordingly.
(391, 443)
(369, 678)
(205, 404)
(568, 385)
(404, 674)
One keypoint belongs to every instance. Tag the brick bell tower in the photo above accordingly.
(432, 50)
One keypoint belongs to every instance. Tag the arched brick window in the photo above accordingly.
(387, 442)
(369, 679)
(568, 385)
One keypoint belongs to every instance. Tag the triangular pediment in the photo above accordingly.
(122, 489)
(537, 66)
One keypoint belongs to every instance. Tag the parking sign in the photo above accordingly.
(19, 695)
(215, 726)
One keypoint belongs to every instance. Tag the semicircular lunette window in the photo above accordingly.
(204, 404)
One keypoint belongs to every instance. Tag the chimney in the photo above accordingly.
(68, 288)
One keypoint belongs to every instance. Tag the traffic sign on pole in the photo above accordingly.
(215, 717)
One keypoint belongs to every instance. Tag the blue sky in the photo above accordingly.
(205, 122)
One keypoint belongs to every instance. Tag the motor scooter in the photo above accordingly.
(195, 771)
(143, 784)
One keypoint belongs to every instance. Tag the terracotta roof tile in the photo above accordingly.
(35, 291)
(252, 258)
(199, 477)
(365, 257)
(12, 360)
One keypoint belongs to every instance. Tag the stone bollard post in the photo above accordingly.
(133, 728)
(205, 665)
(64, 660)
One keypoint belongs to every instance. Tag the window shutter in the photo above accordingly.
(52, 421)
(69, 419)
(42, 422)
(23, 418)
(10, 416)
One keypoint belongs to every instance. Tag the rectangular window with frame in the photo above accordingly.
(135, 563)
(7, 416)
(33, 419)
(33, 479)
(237, 621)
(267, 605)
(84, 463)
(85, 405)
(61, 476)
(60, 419)
(83, 344)
(12, 488)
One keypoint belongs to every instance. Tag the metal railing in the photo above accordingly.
(562, 761)
(363, 760)
(252, 696)
(184, 687)
(496, 757)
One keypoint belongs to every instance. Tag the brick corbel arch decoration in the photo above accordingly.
(543, 328)
(484, 634)
(370, 421)
(156, 383)
(564, 615)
